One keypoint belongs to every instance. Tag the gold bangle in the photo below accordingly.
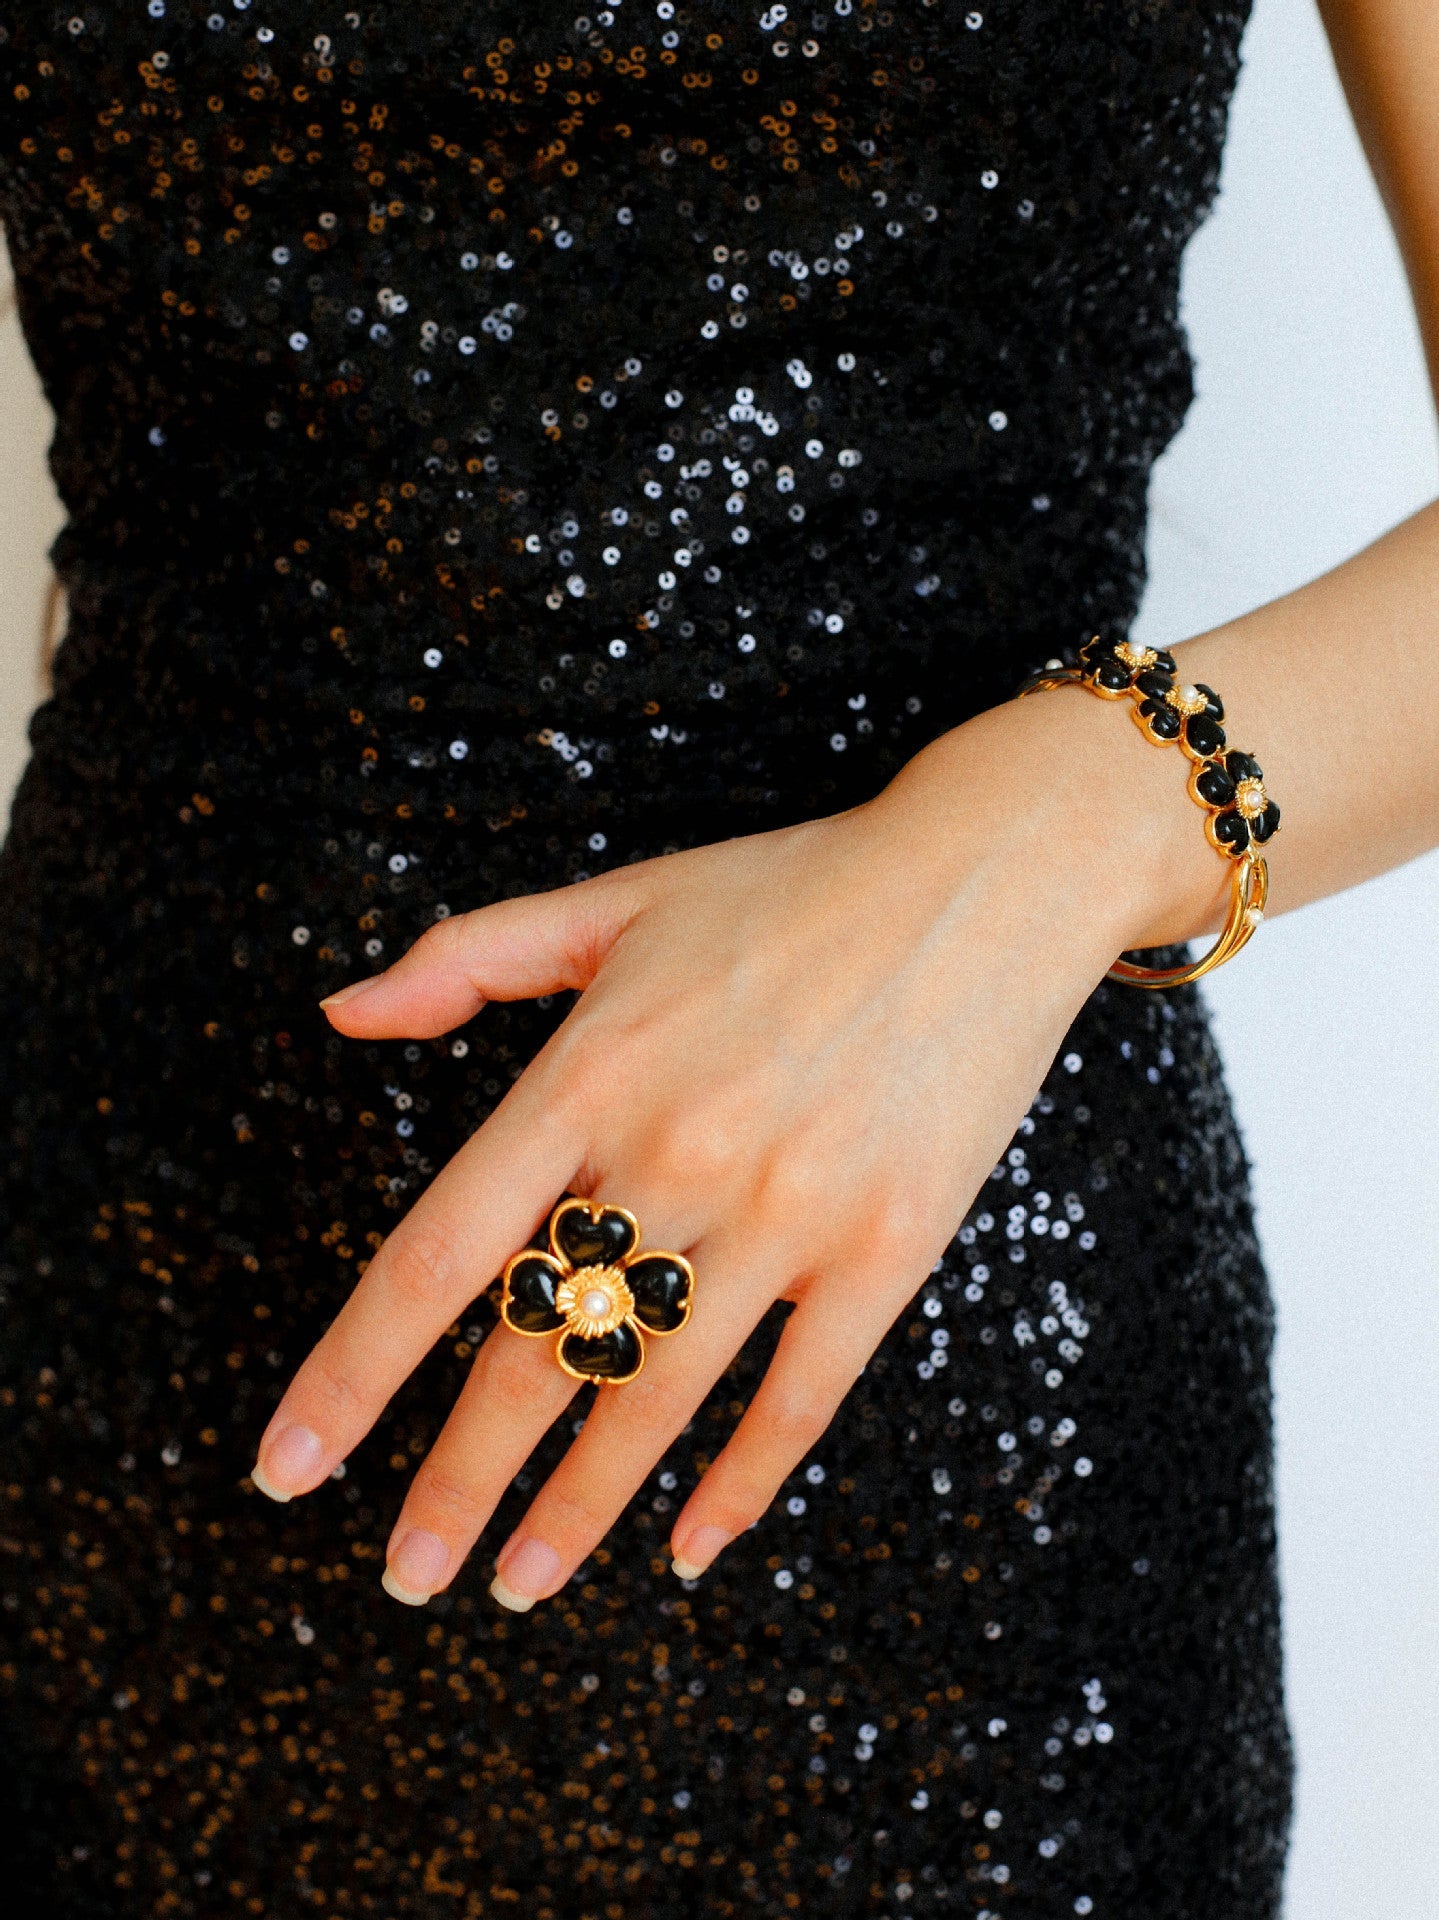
(1239, 814)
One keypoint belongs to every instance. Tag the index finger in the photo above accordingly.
(486, 1203)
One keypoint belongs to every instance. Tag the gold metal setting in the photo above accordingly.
(594, 1300)
(599, 1306)
(1249, 884)
(1136, 656)
(1185, 700)
(1250, 798)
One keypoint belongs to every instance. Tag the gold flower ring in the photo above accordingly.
(594, 1288)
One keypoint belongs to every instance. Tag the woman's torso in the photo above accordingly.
(342, 452)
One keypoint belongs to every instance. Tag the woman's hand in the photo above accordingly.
(795, 1058)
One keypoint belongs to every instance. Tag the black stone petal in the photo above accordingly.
(1109, 673)
(661, 1287)
(1243, 766)
(1267, 825)
(1153, 681)
(1204, 734)
(1215, 786)
(1165, 661)
(531, 1305)
(1164, 722)
(593, 1243)
(614, 1356)
(1215, 708)
(1231, 830)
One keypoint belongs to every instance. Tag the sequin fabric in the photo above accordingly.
(499, 443)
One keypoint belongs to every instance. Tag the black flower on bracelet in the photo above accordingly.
(596, 1290)
(1234, 785)
(1165, 709)
(1110, 665)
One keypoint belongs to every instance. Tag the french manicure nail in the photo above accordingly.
(516, 1602)
(523, 1572)
(416, 1568)
(290, 1460)
(704, 1545)
(402, 1594)
(352, 992)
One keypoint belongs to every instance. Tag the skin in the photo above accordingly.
(843, 1022)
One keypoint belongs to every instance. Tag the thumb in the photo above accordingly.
(536, 943)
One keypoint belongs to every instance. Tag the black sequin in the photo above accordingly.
(498, 443)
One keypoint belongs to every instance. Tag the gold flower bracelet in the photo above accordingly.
(1239, 815)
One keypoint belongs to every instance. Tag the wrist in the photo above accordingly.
(1076, 801)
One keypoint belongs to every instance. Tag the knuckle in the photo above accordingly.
(657, 1406)
(793, 1189)
(450, 1498)
(575, 1514)
(794, 1418)
(889, 1228)
(335, 1388)
(512, 1384)
(444, 941)
(419, 1267)
(697, 1150)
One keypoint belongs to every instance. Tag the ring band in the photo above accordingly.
(597, 1291)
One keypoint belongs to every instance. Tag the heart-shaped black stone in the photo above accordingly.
(661, 1287)
(1109, 673)
(613, 1356)
(1231, 830)
(1204, 734)
(1215, 785)
(1267, 824)
(1243, 766)
(531, 1304)
(593, 1243)
(1153, 681)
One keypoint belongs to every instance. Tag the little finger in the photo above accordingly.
(822, 1351)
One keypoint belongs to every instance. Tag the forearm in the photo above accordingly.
(1334, 689)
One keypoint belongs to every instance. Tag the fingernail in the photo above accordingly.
(416, 1568)
(290, 1460)
(704, 1545)
(402, 1594)
(527, 1569)
(352, 992)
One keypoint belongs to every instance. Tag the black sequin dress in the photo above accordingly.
(498, 444)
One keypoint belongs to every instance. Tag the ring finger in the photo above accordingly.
(513, 1395)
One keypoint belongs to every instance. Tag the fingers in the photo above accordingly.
(513, 950)
(513, 1395)
(627, 1431)
(822, 1352)
(486, 1203)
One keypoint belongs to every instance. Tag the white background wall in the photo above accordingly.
(1313, 432)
